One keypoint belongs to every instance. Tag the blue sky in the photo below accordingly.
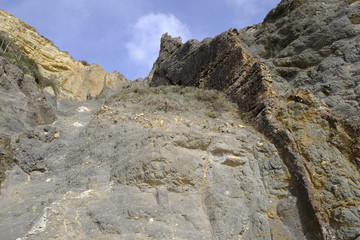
(124, 35)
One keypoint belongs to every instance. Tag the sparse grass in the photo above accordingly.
(85, 63)
(9, 51)
(213, 114)
(176, 98)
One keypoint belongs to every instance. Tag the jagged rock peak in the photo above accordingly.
(180, 162)
(71, 79)
(312, 45)
(296, 78)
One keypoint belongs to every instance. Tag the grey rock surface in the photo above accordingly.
(177, 162)
(22, 107)
(293, 84)
(312, 45)
(129, 171)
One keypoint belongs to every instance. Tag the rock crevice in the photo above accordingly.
(298, 122)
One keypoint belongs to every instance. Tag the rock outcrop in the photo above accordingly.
(70, 79)
(295, 77)
(281, 161)
(312, 45)
(147, 164)
(23, 107)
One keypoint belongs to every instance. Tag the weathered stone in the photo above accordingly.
(145, 184)
(72, 79)
(153, 163)
(272, 59)
(309, 44)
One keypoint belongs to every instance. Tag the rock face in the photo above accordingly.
(161, 168)
(71, 79)
(23, 107)
(295, 77)
(181, 162)
(312, 45)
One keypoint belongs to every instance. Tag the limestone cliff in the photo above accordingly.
(279, 161)
(71, 79)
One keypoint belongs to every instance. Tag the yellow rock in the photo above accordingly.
(271, 213)
(49, 90)
(72, 79)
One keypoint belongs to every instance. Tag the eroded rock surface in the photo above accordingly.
(22, 106)
(176, 162)
(312, 45)
(276, 72)
(71, 79)
(147, 170)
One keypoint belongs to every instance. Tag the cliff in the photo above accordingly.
(70, 79)
(253, 134)
(296, 78)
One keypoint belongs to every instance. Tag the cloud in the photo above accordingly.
(143, 48)
(87, 29)
(124, 35)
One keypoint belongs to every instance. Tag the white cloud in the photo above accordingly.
(143, 48)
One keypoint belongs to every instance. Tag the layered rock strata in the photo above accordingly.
(175, 162)
(312, 45)
(70, 79)
(317, 141)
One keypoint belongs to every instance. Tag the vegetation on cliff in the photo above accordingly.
(16, 57)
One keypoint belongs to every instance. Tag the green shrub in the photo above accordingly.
(85, 63)
(9, 51)
(213, 114)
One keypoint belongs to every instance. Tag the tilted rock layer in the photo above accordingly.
(181, 162)
(312, 45)
(71, 79)
(295, 77)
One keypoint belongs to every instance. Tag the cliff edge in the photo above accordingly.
(253, 134)
(295, 78)
(71, 79)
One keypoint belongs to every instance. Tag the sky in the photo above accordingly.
(124, 35)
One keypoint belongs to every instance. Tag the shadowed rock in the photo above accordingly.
(281, 161)
(283, 74)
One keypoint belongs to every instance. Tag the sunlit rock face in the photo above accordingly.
(295, 77)
(312, 45)
(253, 134)
(72, 79)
